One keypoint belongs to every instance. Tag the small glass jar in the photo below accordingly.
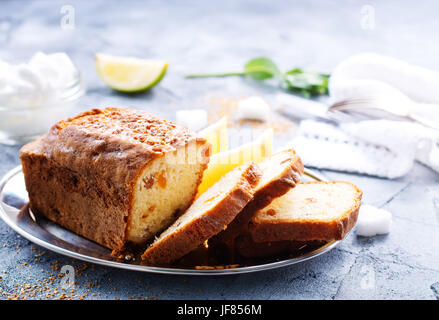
(21, 124)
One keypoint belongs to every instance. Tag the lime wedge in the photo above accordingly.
(129, 74)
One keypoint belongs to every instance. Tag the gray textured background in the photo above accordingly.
(204, 36)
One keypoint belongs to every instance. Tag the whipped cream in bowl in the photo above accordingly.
(36, 94)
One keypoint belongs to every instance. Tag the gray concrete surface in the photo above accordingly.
(208, 36)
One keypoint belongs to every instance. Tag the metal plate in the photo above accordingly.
(15, 212)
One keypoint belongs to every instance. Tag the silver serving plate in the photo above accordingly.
(15, 212)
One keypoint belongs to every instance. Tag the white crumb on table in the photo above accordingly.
(253, 108)
(373, 221)
(194, 119)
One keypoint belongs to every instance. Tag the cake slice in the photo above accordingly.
(115, 176)
(280, 173)
(210, 213)
(310, 211)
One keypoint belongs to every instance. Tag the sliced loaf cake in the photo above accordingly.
(113, 175)
(210, 213)
(280, 173)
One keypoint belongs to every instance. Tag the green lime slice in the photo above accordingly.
(129, 74)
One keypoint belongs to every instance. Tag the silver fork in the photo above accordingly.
(382, 107)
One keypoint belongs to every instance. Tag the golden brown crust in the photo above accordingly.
(263, 197)
(200, 229)
(82, 173)
(265, 231)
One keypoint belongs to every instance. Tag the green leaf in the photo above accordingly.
(261, 68)
(294, 71)
(306, 83)
(296, 80)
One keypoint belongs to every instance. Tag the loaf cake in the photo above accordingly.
(310, 211)
(280, 173)
(114, 176)
(210, 213)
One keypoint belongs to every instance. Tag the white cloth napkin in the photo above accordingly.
(376, 147)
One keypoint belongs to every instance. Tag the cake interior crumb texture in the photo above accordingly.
(206, 201)
(311, 202)
(162, 193)
(210, 213)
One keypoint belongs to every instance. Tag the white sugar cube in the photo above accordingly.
(373, 221)
(253, 108)
(194, 119)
